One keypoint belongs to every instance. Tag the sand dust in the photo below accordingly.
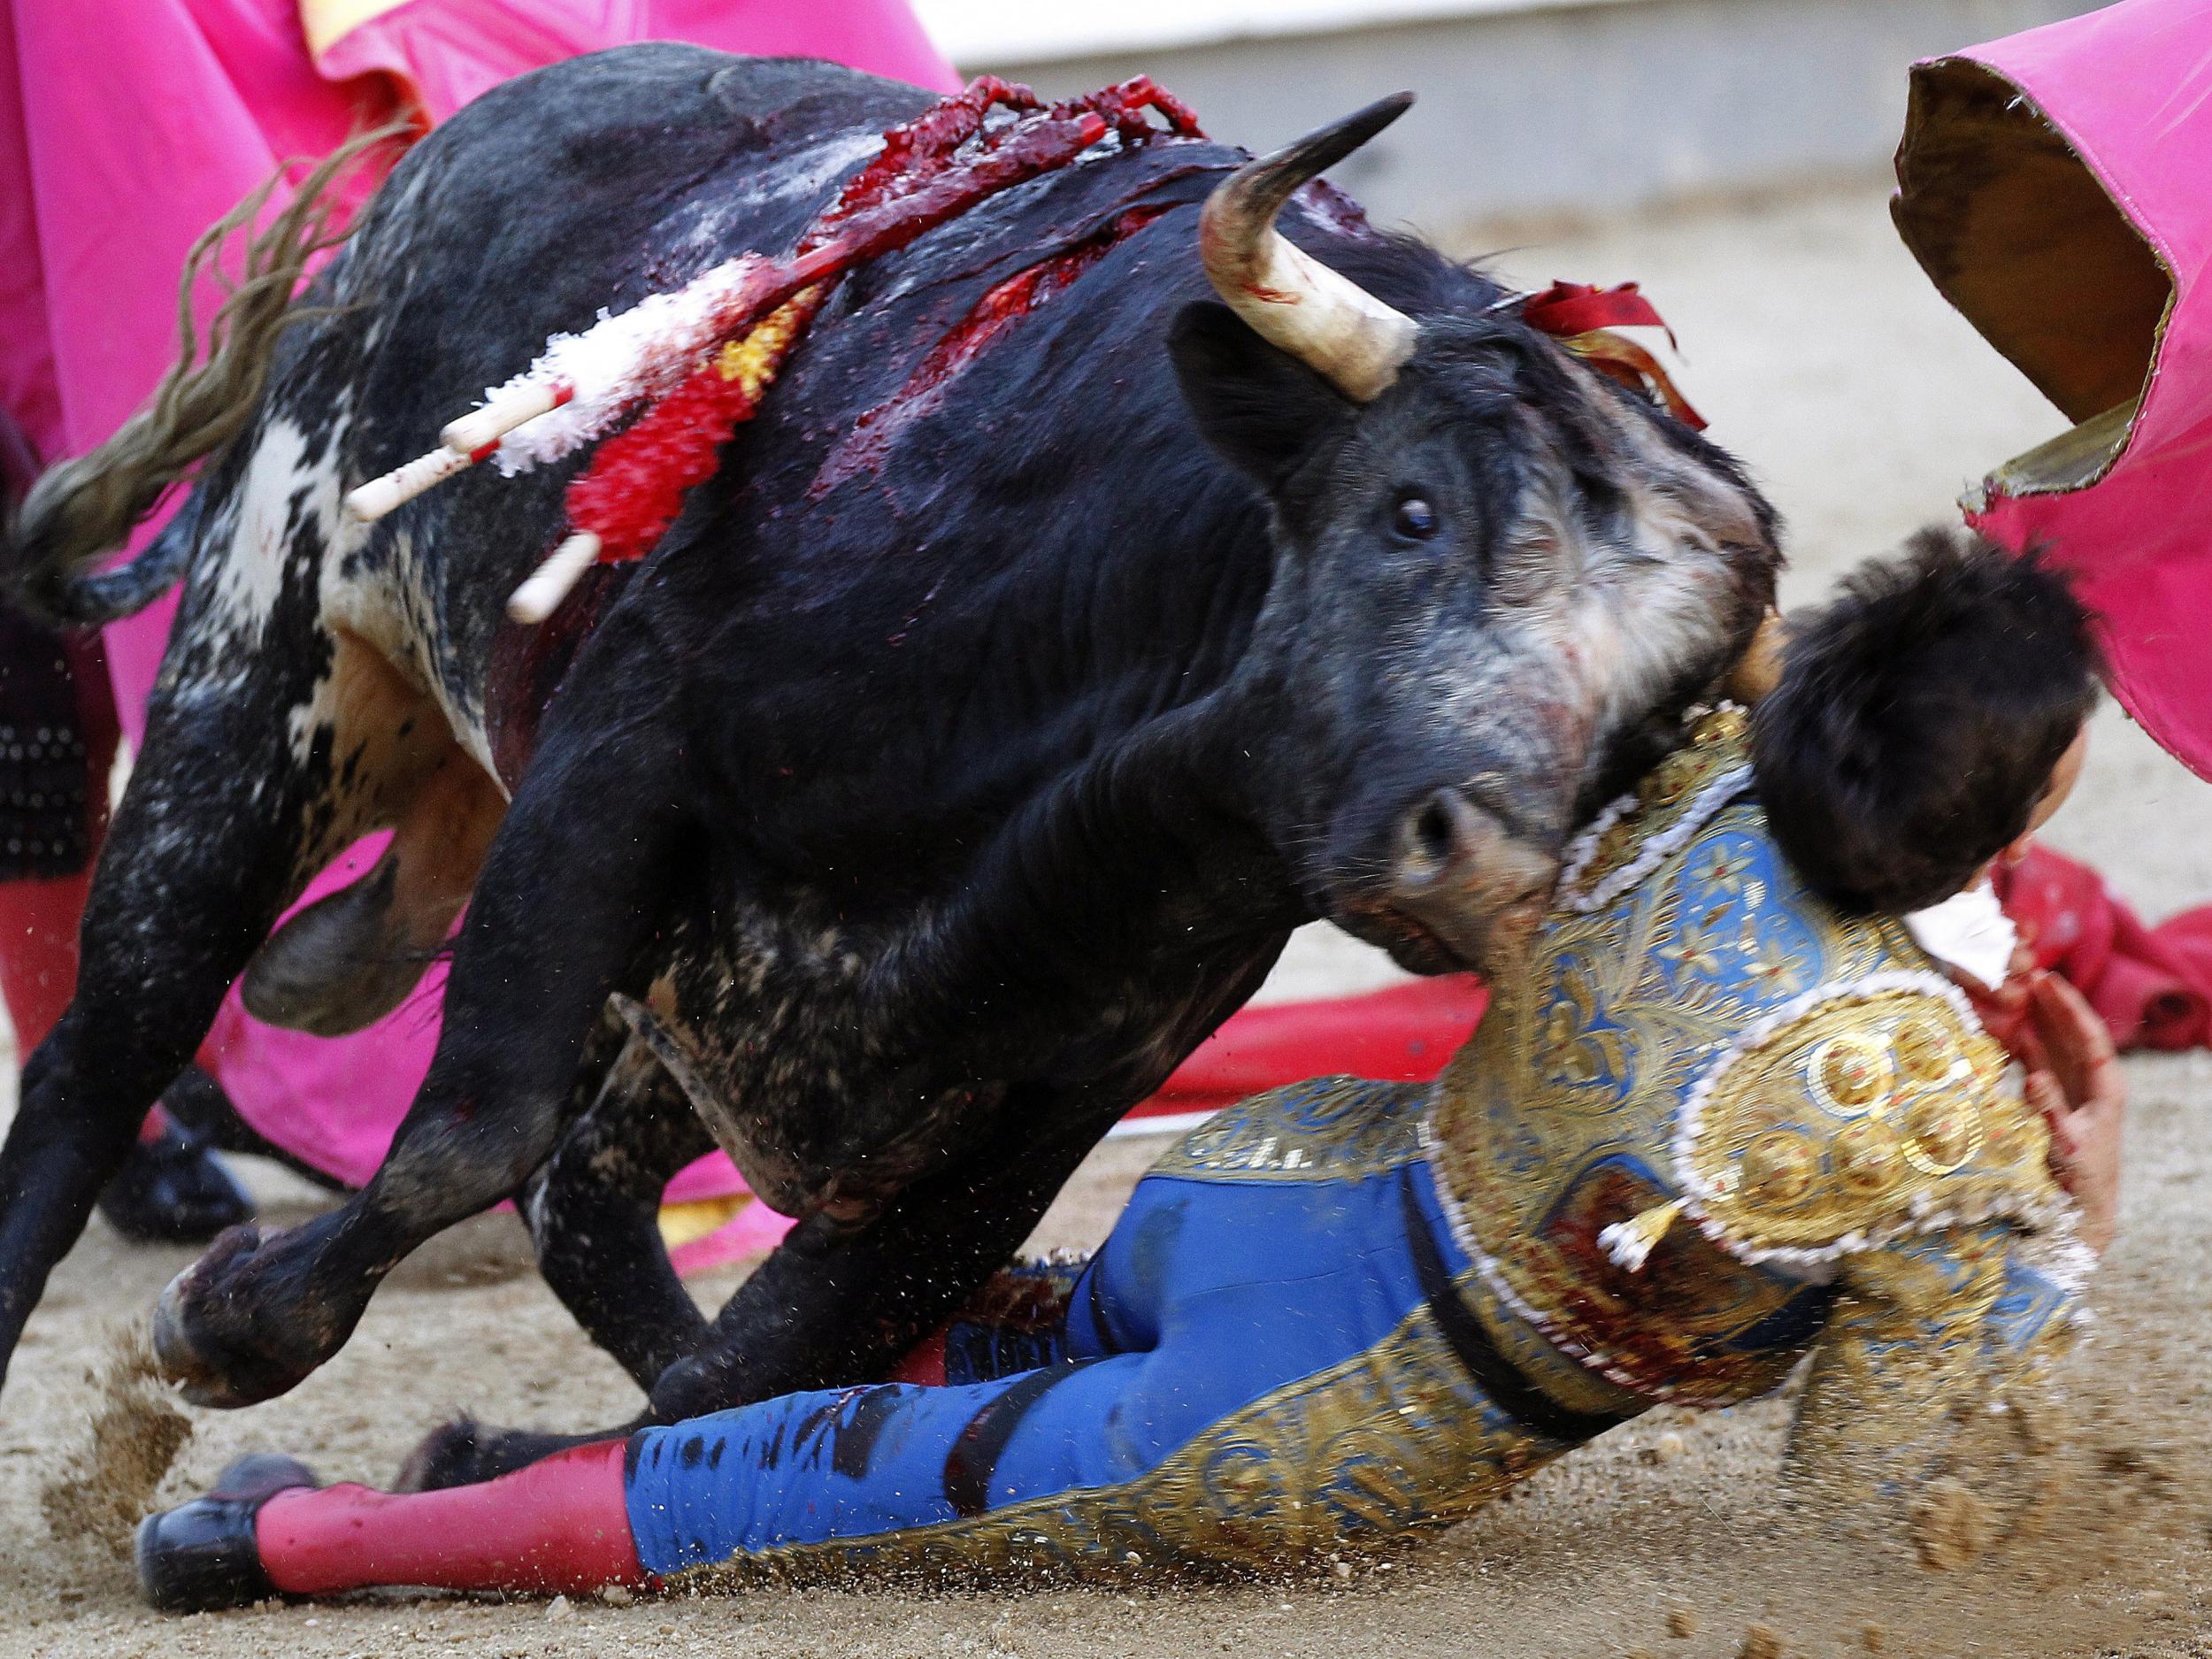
(107, 1480)
(1821, 354)
(1952, 1528)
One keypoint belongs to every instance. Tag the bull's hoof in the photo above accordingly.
(173, 1190)
(466, 1453)
(231, 1330)
(446, 1456)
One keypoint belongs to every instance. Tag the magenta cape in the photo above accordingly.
(126, 126)
(2054, 186)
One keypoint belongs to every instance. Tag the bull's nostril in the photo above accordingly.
(1432, 830)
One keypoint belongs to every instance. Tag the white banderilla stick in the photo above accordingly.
(540, 595)
(472, 432)
(380, 496)
(466, 442)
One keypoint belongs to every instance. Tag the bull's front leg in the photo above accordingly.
(574, 888)
(593, 1209)
(832, 1305)
(837, 1304)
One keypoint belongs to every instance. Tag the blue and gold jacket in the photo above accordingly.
(1709, 1126)
(1709, 1094)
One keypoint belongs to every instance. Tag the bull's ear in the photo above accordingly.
(1263, 410)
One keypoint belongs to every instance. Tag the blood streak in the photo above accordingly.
(872, 435)
(929, 169)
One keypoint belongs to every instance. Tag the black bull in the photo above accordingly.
(923, 800)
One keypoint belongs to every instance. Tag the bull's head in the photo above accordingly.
(1500, 576)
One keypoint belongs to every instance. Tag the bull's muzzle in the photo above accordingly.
(1466, 884)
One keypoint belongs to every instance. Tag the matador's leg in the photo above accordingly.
(1247, 1371)
(882, 1458)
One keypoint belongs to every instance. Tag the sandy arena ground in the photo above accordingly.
(1823, 358)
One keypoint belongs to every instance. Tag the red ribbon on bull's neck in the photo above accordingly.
(1575, 307)
(1583, 318)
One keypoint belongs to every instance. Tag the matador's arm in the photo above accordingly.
(1929, 1412)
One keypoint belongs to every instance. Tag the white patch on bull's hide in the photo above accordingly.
(1687, 534)
(306, 718)
(407, 602)
(1640, 603)
(251, 571)
(804, 173)
(258, 548)
(1588, 627)
(1644, 606)
(390, 604)
(387, 605)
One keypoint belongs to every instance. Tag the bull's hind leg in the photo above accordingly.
(572, 896)
(352, 957)
(594, 1211)
(220, 827)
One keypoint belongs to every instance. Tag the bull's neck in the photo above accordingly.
(1146, 852)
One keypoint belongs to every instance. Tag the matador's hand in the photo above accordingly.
(2082, 1094)
(2004, 1010)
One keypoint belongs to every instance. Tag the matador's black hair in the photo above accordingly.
(1918, 721)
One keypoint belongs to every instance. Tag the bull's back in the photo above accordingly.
(1048, 488)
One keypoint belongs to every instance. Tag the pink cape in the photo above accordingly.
(128, 126)
(2053, 187)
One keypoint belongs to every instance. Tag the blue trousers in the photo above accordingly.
(1266, 1352)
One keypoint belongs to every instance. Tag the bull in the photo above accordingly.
(918, 803)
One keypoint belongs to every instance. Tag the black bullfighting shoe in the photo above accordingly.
(174, 1190)
(202, 1555)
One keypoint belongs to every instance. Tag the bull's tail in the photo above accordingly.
(83, 510)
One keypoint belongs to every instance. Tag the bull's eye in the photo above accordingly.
(1415, 519)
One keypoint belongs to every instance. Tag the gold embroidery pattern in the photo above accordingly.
(1863, 1118)
(1391, 1440)
(1664, 797)
(1331, 1128)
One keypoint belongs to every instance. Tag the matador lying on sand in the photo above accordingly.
(1728, 1113)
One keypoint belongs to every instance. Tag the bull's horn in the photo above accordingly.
(1325, 320)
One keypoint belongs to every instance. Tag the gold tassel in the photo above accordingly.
(757, 355)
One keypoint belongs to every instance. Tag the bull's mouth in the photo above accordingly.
(1418, 947)
(1422, 948)
(1457, 888)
